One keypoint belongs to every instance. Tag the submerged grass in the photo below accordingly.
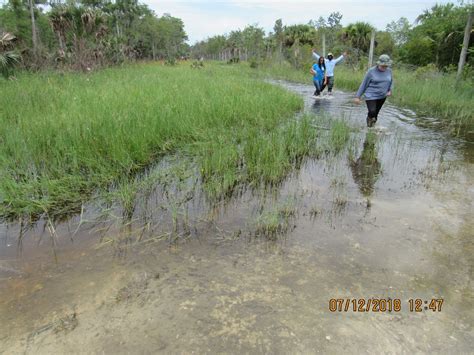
(427, 92)
(64, 136)
(275, 221)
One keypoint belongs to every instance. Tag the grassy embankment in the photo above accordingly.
(428, 93)
(64, 137)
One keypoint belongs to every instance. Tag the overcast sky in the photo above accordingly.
(205, 18)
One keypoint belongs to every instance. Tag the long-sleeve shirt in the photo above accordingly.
(330, 64)
(376, 84)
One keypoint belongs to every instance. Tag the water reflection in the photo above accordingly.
(366, 169)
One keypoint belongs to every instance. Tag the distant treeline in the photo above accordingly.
(436, 38)
(84, 34)
(87, 33)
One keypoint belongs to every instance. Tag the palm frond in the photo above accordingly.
(8, 60)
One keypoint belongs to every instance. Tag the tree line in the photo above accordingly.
(435, 38)
(84, 34)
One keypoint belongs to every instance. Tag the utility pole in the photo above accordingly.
(465, 45)
(371, 50)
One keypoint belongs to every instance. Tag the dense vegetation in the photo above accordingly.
(89, 33)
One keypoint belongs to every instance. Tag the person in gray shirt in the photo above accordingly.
(376, 86)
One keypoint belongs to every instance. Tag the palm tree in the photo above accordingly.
(61, 20)
(358, 35)
(8, 58)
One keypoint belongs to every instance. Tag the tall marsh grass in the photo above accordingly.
(64, 136)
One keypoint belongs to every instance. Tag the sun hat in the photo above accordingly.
(330, 53)
(384, 59)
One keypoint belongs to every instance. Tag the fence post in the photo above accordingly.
(371, 51)
(324, 44)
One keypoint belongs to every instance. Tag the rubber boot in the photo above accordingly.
(370, 121)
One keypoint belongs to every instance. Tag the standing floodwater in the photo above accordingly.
(388, 217)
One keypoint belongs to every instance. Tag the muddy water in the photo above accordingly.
(389, 217)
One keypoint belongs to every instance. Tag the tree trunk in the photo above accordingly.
(60, 41)
(117, 28)
(465, 45)
(33, 28)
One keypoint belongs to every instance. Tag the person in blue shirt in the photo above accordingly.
(376, 86)
(319, 76)
(330, 65)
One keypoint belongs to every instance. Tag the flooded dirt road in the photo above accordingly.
(389, 217)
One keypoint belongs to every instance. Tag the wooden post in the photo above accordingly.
(280, 52)
(371, 51)
(465, 45)
(324, 44)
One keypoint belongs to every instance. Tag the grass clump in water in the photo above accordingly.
(276, 221)
(340, 133)
(256, 157)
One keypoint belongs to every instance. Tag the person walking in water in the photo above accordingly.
(376, 86)
(330, 64)
(319, 76)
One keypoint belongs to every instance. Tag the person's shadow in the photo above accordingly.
(366, 169)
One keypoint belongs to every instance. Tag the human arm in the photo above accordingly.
(390, 88)
(363, 86)
(340, 58)
(316, 55)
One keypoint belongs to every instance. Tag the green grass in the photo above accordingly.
(275, 221)
(63, 137)
(340, 133)
(428, 93)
